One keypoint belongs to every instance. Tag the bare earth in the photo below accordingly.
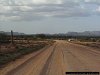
(56, 60)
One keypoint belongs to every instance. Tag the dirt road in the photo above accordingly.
(56, 60)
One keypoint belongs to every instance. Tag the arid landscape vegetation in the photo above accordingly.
(46, 54)
(13, 47)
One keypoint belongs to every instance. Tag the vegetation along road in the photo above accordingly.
(56, 60)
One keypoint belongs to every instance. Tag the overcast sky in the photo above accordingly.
(49, 16)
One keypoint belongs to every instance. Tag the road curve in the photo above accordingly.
(60, 58)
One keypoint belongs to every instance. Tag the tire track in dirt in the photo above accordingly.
(45, 68)
(29, 60)
(80, 58)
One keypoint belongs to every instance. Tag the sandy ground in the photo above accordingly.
(56, 60)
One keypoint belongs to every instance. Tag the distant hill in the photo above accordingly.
(14, 33)
(86, 33)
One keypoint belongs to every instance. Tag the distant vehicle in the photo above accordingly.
(72, 40)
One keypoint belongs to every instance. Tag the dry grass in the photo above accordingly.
(89, 44)
(11, 52)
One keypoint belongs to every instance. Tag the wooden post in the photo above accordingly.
(0, 47)
(0, 43)
(12, 42)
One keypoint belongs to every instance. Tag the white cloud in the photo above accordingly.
(93, 1)
(28, 10)
(30, 2)
(97, 11)
(47, 1)
(10, 18)
(5, 9)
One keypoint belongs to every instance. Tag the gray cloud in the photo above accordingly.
(29, 10)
